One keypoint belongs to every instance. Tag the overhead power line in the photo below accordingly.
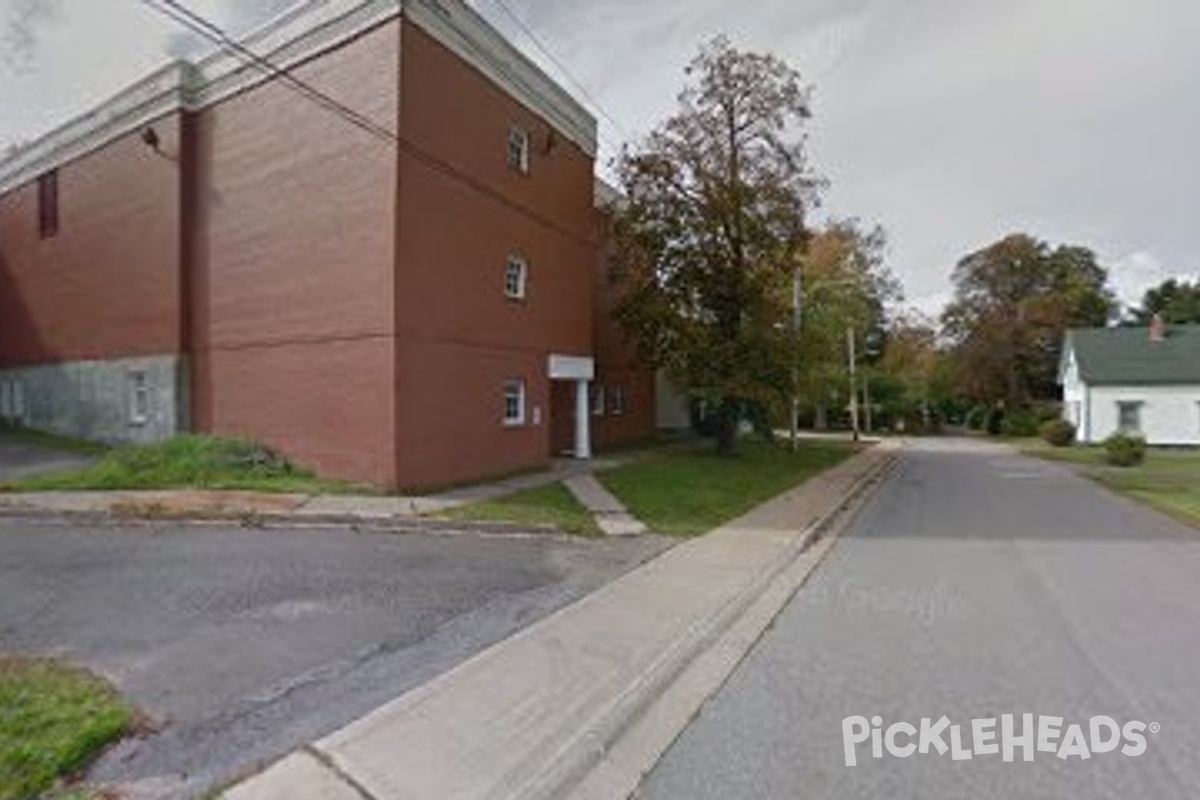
(583, 90)
(213, 33)
(182, 15)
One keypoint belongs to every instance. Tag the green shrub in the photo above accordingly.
(995, 421)
(1048, 411)
(976, 418)
(1123, 450)
(1020, 422)
(1058, 433)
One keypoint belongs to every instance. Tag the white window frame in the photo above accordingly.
(514, 403)
(620, 401)
(140, 397)
(19, 407)
(1136, 406)
(518, 149)
(516, 277)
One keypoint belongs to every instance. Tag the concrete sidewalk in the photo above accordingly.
(393, 512)
(574, 705)
(270, 506)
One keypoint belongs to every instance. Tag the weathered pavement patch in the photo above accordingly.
(242, 644)
(19, 459)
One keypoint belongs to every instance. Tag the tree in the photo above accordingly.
(1178, 302)
(846, 286)
(909, 364)
(1013, 301)
(712, 225)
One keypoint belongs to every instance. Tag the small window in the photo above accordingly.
(516, 272)
(139, 398)
(48, 204)
(619, 402)
(518, 149)
(19, 406)
(6, 401)
(1129, 417)
(514, 403)
(597, 401)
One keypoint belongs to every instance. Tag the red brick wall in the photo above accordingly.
(107, 285)
(460, 337)
(617, 361)
(292, 268)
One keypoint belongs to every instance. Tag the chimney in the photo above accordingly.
(1158, 328)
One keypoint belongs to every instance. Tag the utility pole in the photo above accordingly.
(867, 400)
(853, 382)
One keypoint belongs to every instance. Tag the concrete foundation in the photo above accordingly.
(122, 400)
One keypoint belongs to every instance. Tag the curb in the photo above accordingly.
(256, 520)
(528, 735)
(571, 765)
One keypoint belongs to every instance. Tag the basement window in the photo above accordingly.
(48, 204)
(514, 403)
(12, 401)
(518, 149)
(516, 273)
(139, 398)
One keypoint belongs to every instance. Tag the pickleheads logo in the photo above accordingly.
(1045, 735)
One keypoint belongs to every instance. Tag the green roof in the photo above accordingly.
(1128, 356)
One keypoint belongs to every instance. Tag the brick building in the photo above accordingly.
(414, 300)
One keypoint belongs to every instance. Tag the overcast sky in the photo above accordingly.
(950, 122)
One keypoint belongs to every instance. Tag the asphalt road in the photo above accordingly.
(976, 584)
(242, 644)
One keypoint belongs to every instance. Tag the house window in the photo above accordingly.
(1129, 417)
(516, 272)
(139, 398)
(518, 149)
(514, 403)
(48, 204)
(597, 401)
(619, 402)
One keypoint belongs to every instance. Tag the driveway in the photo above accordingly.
(20, 459)
(241, 644)
(977, 584)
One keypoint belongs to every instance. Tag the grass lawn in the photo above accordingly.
(690, 490)
(191, 462)
(1168, 480)
(546, 505)
(53, 719)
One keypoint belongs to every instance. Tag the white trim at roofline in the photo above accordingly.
(298, 34)
(154, 96)
(460, 28)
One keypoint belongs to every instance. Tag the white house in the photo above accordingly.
(1144, 381)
